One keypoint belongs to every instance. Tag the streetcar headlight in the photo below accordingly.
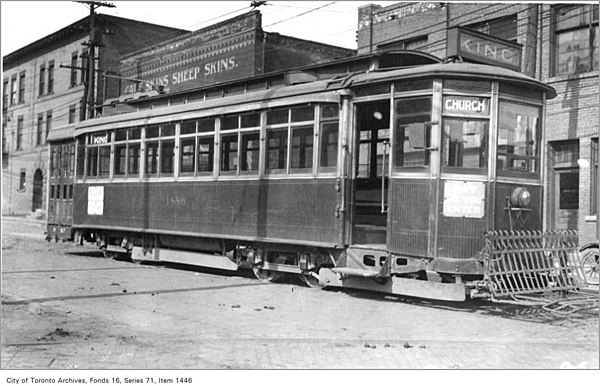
(520, 197)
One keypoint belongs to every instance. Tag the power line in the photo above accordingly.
(301, 14)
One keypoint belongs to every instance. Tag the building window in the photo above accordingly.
(4, 94)
(84, 64)
(20, 133)
(51, 77)
(22, 87)
(413, 43)
(74, 59)
(39, 131)
(72, 113)
(503, 28)
(576, 38)
(42, 87)
(48, 123)
(22, 180)
(13, 90)
(594, 170)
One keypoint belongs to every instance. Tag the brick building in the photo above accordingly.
(43, 90)
(559, 45)
(233, 49)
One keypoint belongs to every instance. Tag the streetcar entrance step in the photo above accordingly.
(368, 234)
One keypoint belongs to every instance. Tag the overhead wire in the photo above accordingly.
(301, 14)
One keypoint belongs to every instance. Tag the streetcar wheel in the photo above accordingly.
(589, 265)
(109, 254)
(311, 279)
(266, 275)
(116, 255)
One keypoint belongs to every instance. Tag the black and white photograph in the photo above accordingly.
(205, 192)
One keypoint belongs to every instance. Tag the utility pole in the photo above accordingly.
(90, 84)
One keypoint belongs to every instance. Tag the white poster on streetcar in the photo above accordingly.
(95, 200)
(464, 199)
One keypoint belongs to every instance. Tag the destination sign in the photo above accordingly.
(100, 139)
(484, 48)
(467, 105)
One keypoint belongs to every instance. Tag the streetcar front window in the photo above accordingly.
(519, 134)
(412, 136)
(465, 144)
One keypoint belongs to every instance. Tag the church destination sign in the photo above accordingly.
(481, 48)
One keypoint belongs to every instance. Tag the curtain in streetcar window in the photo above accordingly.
(465, 144)
(518, 140)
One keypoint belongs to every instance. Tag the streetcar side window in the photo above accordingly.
(250, 152)
(133, 159)
(120, 160)
(290, 140)
(229, 153)
(205, 153)
(276, 151)
(80, 157)
(188, 152)
(92, 161)
(518, 152)
(329, 137)
(152, 159)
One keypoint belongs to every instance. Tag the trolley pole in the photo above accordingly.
(90, 85)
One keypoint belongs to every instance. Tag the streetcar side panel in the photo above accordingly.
(275, 210)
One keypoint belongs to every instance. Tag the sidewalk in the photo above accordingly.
(24, 219)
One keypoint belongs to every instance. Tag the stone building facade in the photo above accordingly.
(559, 46)
(43, 89)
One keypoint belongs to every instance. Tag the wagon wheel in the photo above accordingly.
(589, 265)
(311, 279)
(265, 275)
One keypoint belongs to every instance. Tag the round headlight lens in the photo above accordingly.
(520, 197)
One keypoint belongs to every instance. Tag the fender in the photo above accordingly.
(590, 245)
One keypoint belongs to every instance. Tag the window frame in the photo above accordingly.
(592, 27)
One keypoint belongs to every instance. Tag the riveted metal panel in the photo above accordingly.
(409, 216)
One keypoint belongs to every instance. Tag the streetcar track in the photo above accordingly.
(415, 344)
(77, 270)
(132, 293)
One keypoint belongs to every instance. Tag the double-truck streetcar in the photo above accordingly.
(422, 180)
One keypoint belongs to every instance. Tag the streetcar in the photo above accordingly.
(423, 178)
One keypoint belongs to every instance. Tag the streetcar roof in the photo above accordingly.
(463, 70)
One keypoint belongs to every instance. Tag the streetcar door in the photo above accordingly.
(372, 138)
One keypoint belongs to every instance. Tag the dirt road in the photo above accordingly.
(67, 307)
